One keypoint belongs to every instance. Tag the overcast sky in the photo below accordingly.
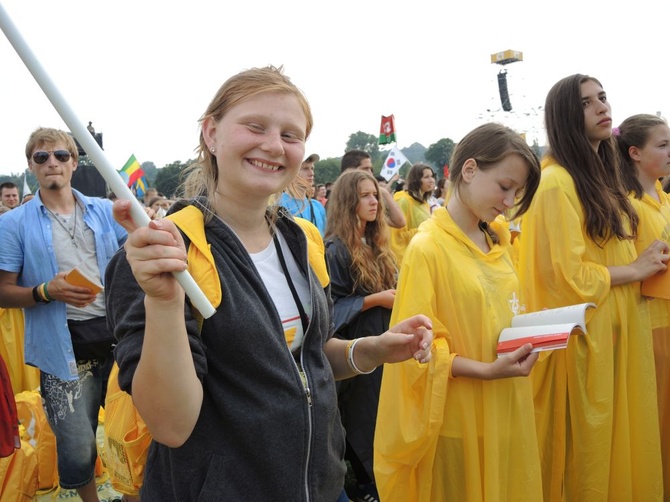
(144, 71)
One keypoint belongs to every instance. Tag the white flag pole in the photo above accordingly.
(93, 150)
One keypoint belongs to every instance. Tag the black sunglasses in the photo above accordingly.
(41, 157)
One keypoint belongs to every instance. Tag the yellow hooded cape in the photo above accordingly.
(440, 438)
(415, 213)
(595, 402)
(655, 224)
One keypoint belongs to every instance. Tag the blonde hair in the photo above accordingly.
(201, 177)
(47, 135)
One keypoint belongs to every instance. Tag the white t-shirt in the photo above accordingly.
(270, 269)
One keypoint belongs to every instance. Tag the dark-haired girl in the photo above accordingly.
(595, 402)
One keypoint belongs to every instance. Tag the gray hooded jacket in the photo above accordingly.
(259, 436)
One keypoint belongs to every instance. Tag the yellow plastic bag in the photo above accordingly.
(39, 435)
(127, 439)
(18, 475)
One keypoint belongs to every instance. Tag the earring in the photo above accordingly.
(212, 149)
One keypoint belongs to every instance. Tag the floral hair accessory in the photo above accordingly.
(616, 131)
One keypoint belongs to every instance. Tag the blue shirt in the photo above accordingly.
(309, 209)
(26, 248)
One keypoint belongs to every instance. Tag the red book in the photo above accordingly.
(546, 329)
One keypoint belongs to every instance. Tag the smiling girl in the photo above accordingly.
(243, 407)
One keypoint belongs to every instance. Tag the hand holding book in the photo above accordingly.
(545, 330)
(78, 278)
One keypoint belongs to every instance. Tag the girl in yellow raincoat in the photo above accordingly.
(413, 201)
(458, 429)
(644, 145)
(595, 402)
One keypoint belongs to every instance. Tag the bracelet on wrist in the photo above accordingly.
(47, 296)
(37, 296)
(350, 358)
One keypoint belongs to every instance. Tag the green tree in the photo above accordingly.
(150, 171)
(366, 142)
(536, 148)
(169, 177)
(14, 178)
(439, 153)
(327, 170)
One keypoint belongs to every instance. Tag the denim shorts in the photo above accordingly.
(72, 410)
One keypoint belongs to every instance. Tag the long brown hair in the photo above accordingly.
(413, 182)
(634, 131)
(596, 175)
(373, 266)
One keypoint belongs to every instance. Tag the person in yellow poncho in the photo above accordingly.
(457, 429)
(595, 402)
(22, 376)
(413, 201)
(644, 145)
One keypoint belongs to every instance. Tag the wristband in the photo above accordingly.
(37, 297)
(350, 358)
(46, 295)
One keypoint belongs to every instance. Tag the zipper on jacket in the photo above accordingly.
(308, 395)
(300, 366)
(305, 384)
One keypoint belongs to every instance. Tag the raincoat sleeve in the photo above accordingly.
(404, 235)
(553, 264)
(413, 395)
(401, 237)
(347, 305)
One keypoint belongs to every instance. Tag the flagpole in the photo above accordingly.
(93, 150)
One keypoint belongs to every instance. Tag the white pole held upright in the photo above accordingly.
(93, 150)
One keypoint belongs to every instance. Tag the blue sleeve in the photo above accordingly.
(11, 247)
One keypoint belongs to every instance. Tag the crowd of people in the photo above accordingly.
(357, 323)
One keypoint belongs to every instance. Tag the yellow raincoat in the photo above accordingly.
(22, 376)
(655, 224)
(415, 213)
(595, 402)
(440, 438)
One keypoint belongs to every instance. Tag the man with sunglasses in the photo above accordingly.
(66, 334)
